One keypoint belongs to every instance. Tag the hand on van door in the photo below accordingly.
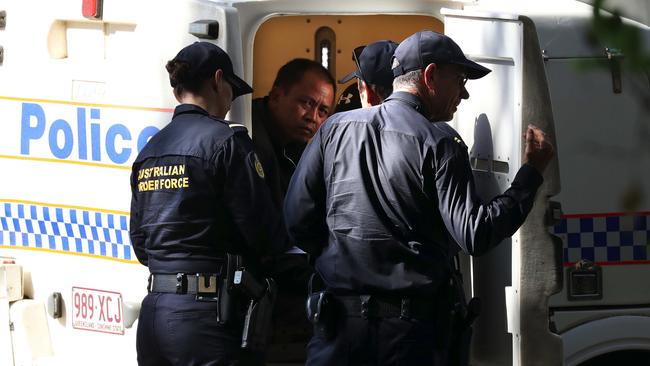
(539, 150)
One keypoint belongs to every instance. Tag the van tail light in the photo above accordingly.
(92, 9)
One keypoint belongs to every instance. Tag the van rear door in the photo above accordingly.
(522, 272)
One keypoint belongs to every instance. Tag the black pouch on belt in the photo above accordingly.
(321, 312)
(228, 310)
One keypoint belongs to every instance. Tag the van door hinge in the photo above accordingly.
(614, 56)
(553, 213)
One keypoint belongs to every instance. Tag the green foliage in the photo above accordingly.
(609, 31)
(626, 44)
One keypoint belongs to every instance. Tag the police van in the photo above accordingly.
(83, 88)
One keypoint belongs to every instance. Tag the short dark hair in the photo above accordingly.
(382, 91)
(292, 72)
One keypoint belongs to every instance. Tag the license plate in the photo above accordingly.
(97, 310)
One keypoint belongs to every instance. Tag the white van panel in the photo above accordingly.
(490, 124)
(78, 99)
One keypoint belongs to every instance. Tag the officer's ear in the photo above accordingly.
(215, 82)
(177, 95)
(428, 77)
(367, 95)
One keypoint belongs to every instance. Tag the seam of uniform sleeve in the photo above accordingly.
(218, 151)
(447, 157)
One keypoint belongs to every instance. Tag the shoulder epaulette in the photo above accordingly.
(238, 127)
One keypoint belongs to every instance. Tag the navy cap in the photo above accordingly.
(205, 58)
(373, 64)
(427, 47)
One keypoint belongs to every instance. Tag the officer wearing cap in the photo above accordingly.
(198, 192)
(373, 73)
(384, 197)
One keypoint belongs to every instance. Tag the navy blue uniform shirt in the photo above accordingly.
(384, 198)
(279, 161)
(198, 191)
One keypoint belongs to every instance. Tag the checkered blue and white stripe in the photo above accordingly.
(615, 238)
(65, 229)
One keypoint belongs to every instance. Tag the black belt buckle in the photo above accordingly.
(207, 288)
(181, 283)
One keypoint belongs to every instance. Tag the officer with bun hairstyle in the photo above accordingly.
(198, 194)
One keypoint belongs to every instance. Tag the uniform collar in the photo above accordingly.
(261, 109)
(189, 108)
(408, 98)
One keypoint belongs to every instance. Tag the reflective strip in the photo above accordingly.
(60, 229)
(605, 238)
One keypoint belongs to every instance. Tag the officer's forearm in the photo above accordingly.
(488, 225)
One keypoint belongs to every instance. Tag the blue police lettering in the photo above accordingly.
(61, 126)
(111, 135)
(61, 135)
(27, 131)
(94, 134)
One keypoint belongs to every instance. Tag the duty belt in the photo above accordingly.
(184, 283)
(367, 306)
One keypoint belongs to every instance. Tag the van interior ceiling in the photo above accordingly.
(328, 39)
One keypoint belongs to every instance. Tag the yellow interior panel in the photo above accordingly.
(284, 38)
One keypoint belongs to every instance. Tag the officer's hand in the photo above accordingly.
(539, 150)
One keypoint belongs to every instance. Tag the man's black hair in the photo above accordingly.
(292, 72)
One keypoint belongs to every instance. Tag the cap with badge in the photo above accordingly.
(373, 63)
(205, 59)
(427, 47)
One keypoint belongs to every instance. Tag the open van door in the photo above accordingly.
(571, 273)
(515, 280)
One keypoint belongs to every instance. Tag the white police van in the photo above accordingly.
(83, 88)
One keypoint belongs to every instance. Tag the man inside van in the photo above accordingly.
(374, 76)
(301, 98)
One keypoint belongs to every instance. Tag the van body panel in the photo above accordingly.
(79, 98)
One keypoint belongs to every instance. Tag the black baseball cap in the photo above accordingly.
(373, 63)
(205, 58)
(427, 47)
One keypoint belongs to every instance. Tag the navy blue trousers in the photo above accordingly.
(388, 341)
(177, 330)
